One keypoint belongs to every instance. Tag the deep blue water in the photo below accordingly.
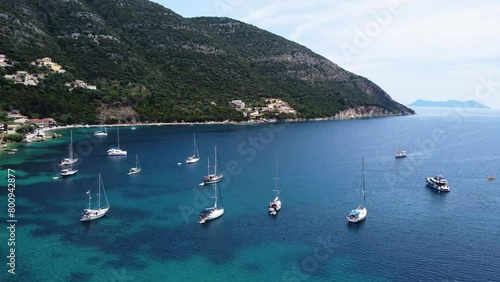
(150, 233)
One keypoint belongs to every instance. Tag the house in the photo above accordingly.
(2, 127)
(45, 122)
(237, 104)
(23, 78)
(15, 115)
(81, 84)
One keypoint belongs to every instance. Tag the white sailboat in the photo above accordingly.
(275, 205)
(196, 156)
(212, 212)
(117, 151)
(137, 167)
(91, 214)
(69, 160)
(358, 214)
(212, 178)
(401, 153)
(102, 131)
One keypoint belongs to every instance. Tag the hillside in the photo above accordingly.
(150, 64)
(449, 104)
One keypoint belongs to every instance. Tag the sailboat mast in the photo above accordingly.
(215, 195)
(90, 197)
(277, 188)
(99, 195)
(118, 135)
(363, 178)
(215, 160)
(71, 147)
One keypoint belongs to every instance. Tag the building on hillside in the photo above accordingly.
(3, 60)
(80, 84)
(43, 123)
(237, 104)
(23, 77)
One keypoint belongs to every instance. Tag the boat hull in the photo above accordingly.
(116, 152)
(213, 215)
(89, 215)
(191, 160)
(210, 179)
(359, 216)
(67, 173)
(441, 187)
(400, 154)
(274, 207)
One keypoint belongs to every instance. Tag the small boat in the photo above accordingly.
(212, 178)
(102, 131)
(132, 128)
(68, 172)
(359, 214)
(69, 160)
(117, 151)
(491, 177)
(98, 212)
(11, 152)
(195, 157)
(137, 167)
(400, 153)
(438, 182)
(275, 206)
(212, 212)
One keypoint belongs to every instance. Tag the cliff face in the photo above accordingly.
(166, 67)
(363, 112)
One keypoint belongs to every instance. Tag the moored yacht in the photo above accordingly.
(439, 183)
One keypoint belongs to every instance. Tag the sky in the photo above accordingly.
(431, 50)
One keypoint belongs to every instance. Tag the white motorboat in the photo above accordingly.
(438, 182)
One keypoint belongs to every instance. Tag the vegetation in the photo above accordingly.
(165, 67)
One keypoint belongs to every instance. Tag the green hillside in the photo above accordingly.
(163, 67)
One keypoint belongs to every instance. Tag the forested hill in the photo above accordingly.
(150, 64)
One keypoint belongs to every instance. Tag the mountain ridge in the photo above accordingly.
(142, 55)
(449, 104)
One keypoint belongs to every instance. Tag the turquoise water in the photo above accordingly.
(150, 233)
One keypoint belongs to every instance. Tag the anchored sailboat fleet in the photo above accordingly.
(98, 212)
(196, 156)
(275, 205)
(358, 214)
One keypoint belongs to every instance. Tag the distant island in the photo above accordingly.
(448, 104)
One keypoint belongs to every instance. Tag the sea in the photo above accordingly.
(411, 232)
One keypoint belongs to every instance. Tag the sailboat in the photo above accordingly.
(360, 212)
(212, 178)
(195, 157)
(137, 167)
(116, 151)
(102, 131)
(275, 205)
(400, 153)
(91, 214)
(69, 160)
(212, 212)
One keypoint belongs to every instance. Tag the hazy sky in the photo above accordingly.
(434, 50)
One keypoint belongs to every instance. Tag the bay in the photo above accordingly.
(411, 232)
